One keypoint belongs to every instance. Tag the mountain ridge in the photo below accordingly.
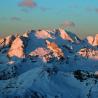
(48, 64)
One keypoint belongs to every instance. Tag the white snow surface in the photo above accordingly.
(74, 76)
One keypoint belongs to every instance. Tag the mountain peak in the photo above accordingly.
(48, 64)
(43, 34)
(64, 35)
(93, 40)
(17, 48)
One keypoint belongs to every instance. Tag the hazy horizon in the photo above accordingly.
(75, 15)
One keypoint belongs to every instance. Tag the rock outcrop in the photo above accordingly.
(9, 40)
(55, 49)
(93, 40)
(64, 35)
(2, 43)
(90, 39)
(89, 53)
(25, 34)
(95, 43)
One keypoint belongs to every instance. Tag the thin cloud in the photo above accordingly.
(68, 24)
(27, 3)
(16, 18)
(92, 9)
(96, 10)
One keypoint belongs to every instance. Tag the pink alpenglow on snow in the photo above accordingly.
(43, 34)
(93, 40)
(90, 39)
(64, 35)
(17, 48)
(55, 49)
(42, 53)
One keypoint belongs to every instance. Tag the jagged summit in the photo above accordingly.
(42, 34)
(22, 45)
(93, 40)
(48, 64)
(17, 48)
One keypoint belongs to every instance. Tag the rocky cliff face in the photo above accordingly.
(55, 49)
(9, 40)
(95, 43)
(89, 53)
(90, 39)
(93, 40)
(1, 42)
(64, 35)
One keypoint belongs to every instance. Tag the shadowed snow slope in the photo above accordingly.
(48, 64)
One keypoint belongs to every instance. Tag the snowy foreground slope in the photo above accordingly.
(48, 64)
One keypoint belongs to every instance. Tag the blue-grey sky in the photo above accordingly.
(80, 16)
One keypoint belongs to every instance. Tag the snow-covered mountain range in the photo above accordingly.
(48, 64)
